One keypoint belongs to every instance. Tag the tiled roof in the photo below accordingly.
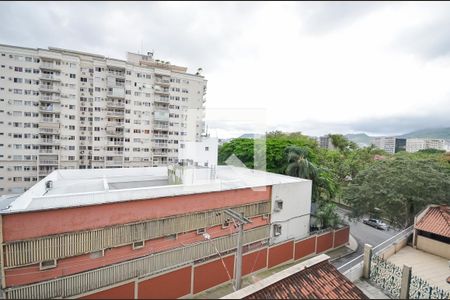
(320, 281)
(436, 220)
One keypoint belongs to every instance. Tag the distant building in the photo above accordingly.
(325, 142)
(414, 145)
(389, 144)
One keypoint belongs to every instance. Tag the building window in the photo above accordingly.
(172, 236)
(201, 231)
(138, 245)
(47, 264)
(97, 254)
(278, 205)
(276, 229)
(226, 223)
(206, 148)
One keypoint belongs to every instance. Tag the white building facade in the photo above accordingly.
(414, 145)
(64, 109)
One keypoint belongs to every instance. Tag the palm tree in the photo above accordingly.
(327, 215)
(300, 166)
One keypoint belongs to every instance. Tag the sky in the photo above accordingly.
(382, 68)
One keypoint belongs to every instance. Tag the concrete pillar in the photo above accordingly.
(367, 259)
(406, 280)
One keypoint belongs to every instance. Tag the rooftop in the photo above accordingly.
(71, 188)
(435, 220)
(315, 278)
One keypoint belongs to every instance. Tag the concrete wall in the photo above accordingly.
(125, 291)
(172, 285)
(433, 247)
(280, 254)
(295, 215)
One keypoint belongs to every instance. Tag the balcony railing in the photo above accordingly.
(50, 76)
(49, 88)
(115, 104)
(48, 162)
(161, 91)
(114, 124)
(50, 98)
(50, 65)
(160, 145)
(115, 113)
(160, 126)
(50, 120)
(50, 109)
(49, 130)
(48, 151)
(116, 74)
(162, 99)
(50, 141)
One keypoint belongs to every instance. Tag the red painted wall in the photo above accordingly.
(305, 247)
(254, 261)
(341, 236)
(211, 274)
(43, 223)
(280, 254)
(171, 285)
(76, 264)
(324, 242)
(125, 291)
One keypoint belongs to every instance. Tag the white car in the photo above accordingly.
(376, 223)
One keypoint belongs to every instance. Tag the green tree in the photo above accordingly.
(327, 215)
(399, 187)
(323, 185)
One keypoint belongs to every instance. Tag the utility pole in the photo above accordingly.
(241, 220)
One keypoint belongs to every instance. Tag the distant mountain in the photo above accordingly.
(431, 133)
(250, 136)
(359, 138)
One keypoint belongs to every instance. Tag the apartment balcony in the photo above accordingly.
(119, 114)
(114, 84)
(112, 131)
(44, 130)
(160, 126)
(116, 74)
(160, 145)
(47, 122)
(161, 99)
(49, 66)
(49, 88)
(161, 107)
(161, 91)
(114, 143)
(117, 93)
(48, 162)
(54, 98)
(114, 124)
(48, 151)
(115, 104)
(50, 109)
(114, 153)
(114, 162)
(162, 82)
(49, 142)
(161, 136)
(50, 77)
(161, 115)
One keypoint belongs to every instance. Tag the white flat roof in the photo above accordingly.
(73, 188)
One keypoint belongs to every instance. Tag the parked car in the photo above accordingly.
(376, 223)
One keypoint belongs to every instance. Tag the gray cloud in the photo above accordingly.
(323, 17)
(183, 33)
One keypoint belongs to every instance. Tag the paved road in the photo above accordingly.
(364, 234)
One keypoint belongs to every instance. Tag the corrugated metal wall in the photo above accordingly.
(103, 277)
(27, 252)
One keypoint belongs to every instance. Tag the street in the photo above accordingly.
(364, 234)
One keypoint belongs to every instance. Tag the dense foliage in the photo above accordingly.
(368, 179)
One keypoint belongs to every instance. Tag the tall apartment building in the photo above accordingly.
(325, 142)
(63, 109)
